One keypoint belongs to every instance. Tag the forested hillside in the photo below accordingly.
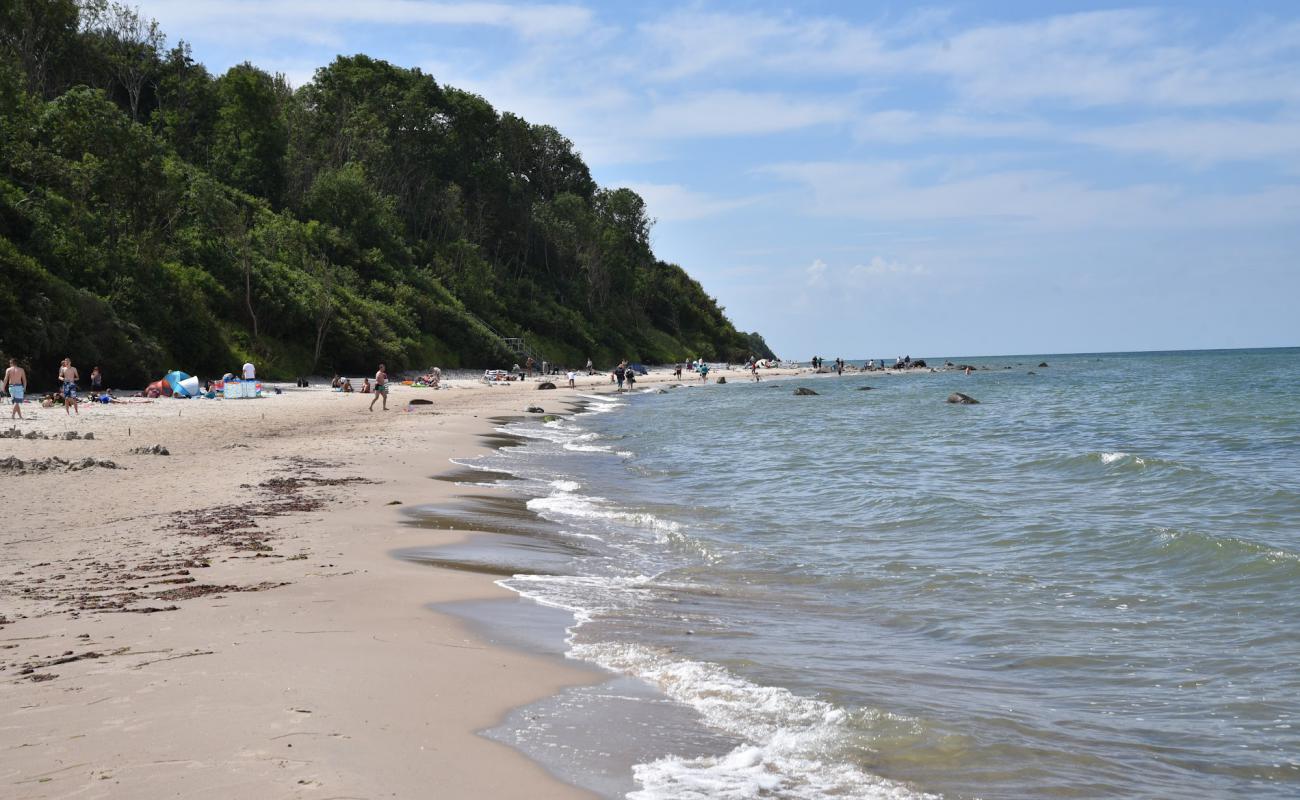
(155, 216)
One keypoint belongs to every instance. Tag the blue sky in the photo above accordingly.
(868, 179)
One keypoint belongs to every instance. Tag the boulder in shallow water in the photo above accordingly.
(804, 392)
(722, 380)
(962, 399)
(865, 388)
(545, 385)
(1042, 364)
(536, 410)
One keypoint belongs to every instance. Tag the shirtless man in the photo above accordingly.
(68, 377)
(381, 388)
(16, 384)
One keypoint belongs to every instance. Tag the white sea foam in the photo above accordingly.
(566, 486)
(567, 503)
(1117, 457)
(790, 742)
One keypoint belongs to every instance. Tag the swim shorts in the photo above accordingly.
(69, 389)
(382, 388)
(17, 393)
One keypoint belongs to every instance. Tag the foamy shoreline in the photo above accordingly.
(284, 652)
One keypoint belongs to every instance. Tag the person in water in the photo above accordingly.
(381, 388)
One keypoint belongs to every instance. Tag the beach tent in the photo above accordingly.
(182, 384)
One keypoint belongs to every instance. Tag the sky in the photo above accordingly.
(864, 179)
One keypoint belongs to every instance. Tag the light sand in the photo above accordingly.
(234, 623)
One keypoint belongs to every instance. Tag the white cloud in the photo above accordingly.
(673, 202)
(729, 113)
(903, 191)
(305, 19)
(1202, 142)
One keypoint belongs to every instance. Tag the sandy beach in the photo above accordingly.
(227, 620)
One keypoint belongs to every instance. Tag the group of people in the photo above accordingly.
(623, 373)
(15, 384)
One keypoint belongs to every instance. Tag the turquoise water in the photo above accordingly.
(1088, 585)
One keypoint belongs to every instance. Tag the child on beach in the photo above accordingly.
(381, 388)
(15, 383)
(573, 376)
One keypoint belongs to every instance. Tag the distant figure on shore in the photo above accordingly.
(591, 370)
(968, 369)
(381, 388)
(753, 370)
(677, 370)
(250, 374)
(529, 366)
(573, 378)
(365, 386)
(96, 381)
(631, 378)
(68, 377)
(337, 383)
(346, 386)
(620, 374)
(15, 384)
(704, 372)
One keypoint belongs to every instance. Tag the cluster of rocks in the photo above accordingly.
(68, 436)
(53, 464)
(156, 450)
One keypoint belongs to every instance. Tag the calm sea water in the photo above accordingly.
(1086, 586)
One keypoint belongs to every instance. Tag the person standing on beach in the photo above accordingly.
(704, 372)
(381, 388)
(250, 374)
(620, 374)
(68, 377)
(15, 384)
(528, 366)
(753, 368)
(573, 379)
(96, 381)
(590, 370)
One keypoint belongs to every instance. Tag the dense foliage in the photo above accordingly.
(154, 216)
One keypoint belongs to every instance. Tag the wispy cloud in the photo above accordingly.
(672, 202)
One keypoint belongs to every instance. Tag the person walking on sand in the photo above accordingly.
(68, 377)
(573, 379)
(381, 388)
(15, 384)
(528, 366)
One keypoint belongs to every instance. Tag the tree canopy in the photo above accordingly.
(154, 216)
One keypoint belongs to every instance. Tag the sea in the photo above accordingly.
(1087, 585)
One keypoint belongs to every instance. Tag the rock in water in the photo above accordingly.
(545, 385)
(551, 418)
(865, 388)
(1042, 364)
(722, 380)
(962, 399)
(804, 392)
(536, 410)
